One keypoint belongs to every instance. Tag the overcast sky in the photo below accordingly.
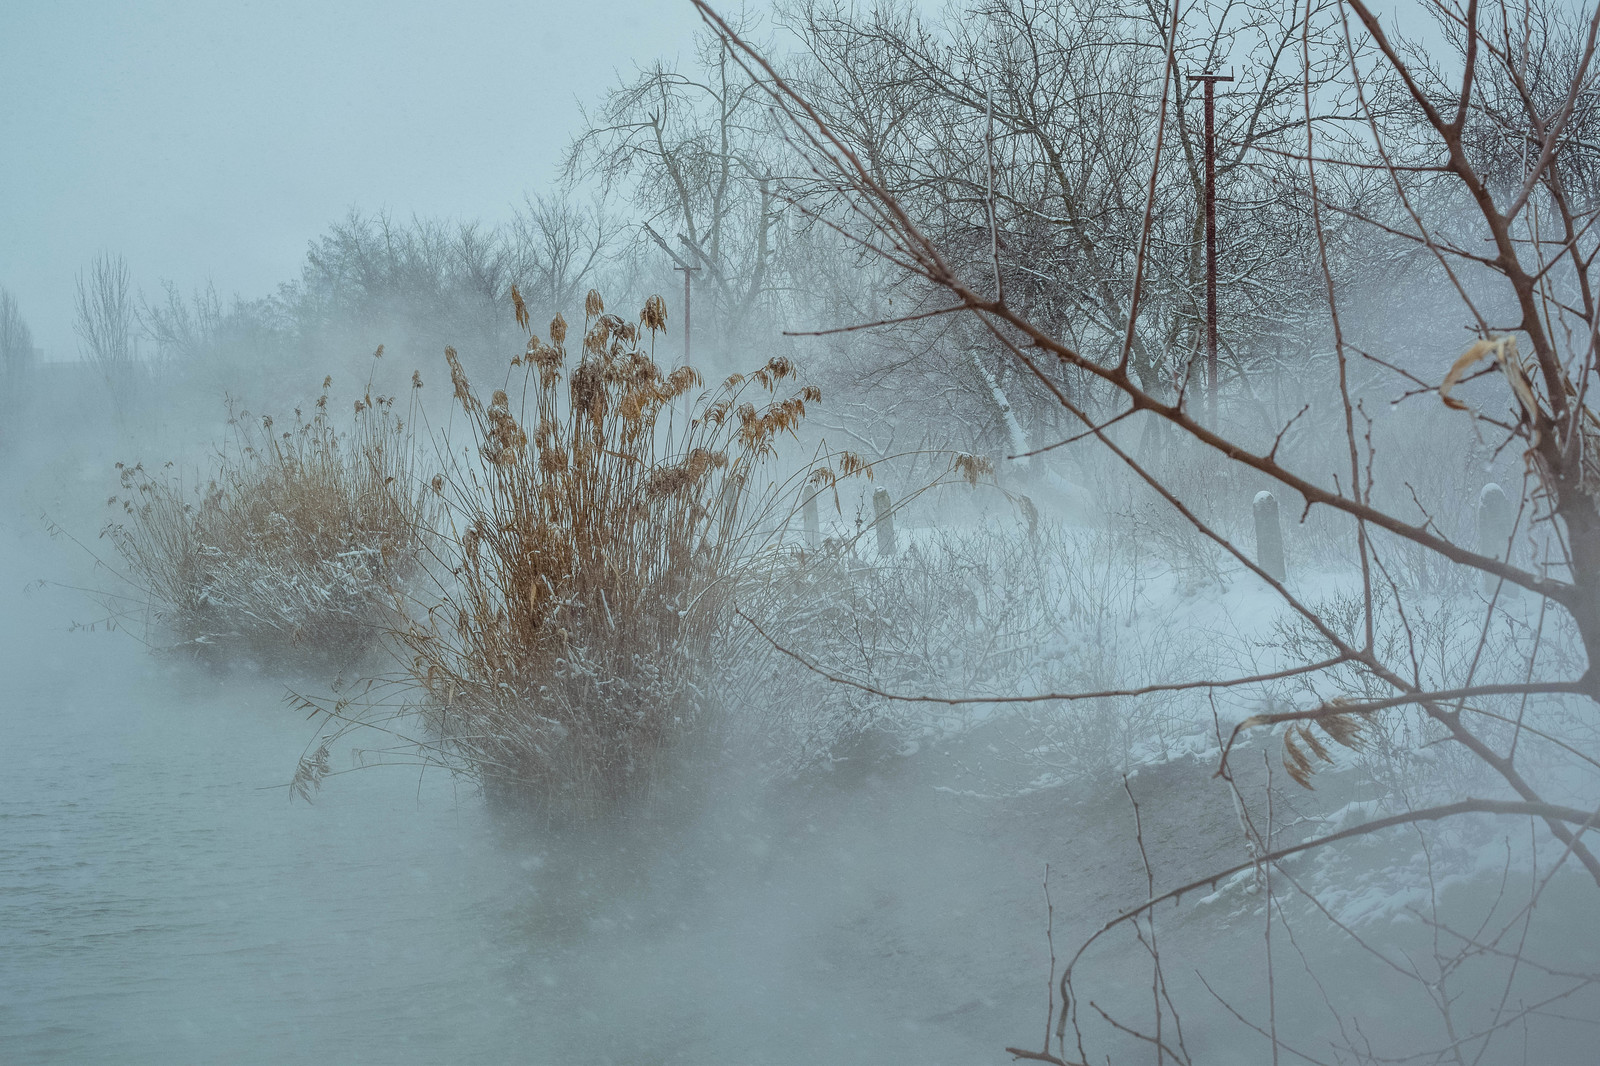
(209, 140)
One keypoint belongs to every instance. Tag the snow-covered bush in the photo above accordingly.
(956, 612)
(982, 613)
(290, 552)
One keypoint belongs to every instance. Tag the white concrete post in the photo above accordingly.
(884, 522)
(1269, 536)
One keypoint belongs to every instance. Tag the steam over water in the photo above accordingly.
(159, 906)
(163, 900)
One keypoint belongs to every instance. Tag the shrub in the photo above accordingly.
(593, 533)
(289, 554)
(976, 612)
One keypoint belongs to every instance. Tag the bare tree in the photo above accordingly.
(182, 329)
(1490, 131)
(106, 317)
(556, 248)
(422, 284)
(1020, 132)
(16, 359)
(697, 151)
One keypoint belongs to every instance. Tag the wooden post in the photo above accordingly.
(1269, 536)
(688, 273)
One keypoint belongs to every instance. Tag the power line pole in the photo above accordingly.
(1210, 81)
(688, 272)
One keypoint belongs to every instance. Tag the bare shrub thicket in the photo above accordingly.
(290, 550)
(1467, 166)
(993, 612)
(413, 286)
(202, 347)
(431, 282)
(961, 608)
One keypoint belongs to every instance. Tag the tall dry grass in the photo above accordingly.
(290, 552)
(595, 528)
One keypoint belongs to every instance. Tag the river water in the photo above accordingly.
(162, 899)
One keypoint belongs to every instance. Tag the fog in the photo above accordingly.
(426, 642)
(210, 145)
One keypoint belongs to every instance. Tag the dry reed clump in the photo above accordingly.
(595, 530)
(291, 552)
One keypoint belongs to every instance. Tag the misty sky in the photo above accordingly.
(209, 140)
(212, 141)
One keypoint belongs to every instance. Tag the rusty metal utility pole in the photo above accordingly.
(688, 272)
(1210, 81)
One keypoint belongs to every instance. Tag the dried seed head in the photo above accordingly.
(458, 379)
(654, 315)
(851, 464)
(416, 379)
(972, 467)
(552, 460)
(1343, 729)
(521, 308)
(594, 341)
(547, 359)
(593, 305)
(558, 330)
(776, 370)
(1295, 761)
(589, 393)
(1314, 744)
